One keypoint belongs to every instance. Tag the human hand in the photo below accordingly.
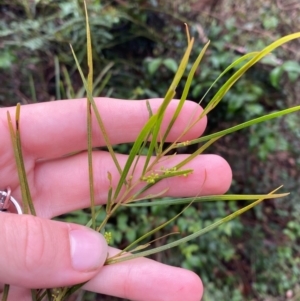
(37, 252)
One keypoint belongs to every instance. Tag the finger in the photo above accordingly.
(143, 279)
(39, 253)
(54, 129)
(62, 185)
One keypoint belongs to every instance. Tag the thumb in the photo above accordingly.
(40, 253)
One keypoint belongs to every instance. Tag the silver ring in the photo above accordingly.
(6, 200)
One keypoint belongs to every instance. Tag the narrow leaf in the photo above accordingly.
(157, 127)
(134, 151)
(191, 236)
(57, 77)
(209, 198)
(231, 66)
(240, 126)
(28, 199)
(70, 91)
(90, 222)
(223, 90)
(185, 92)
(90, 163)
(196, 153)
(187, 33)
(109, 197)
(146, 197)
(5, 292)
(89, 117)
(168, 97)
(89, 50)
(33, 294)
(97, 114)
(153, 231)
(16, 141)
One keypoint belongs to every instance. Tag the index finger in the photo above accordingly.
(146, 280)
(53, 129)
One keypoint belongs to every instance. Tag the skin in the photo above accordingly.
(35, 251)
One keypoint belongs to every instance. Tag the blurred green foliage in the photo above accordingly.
(137, 47)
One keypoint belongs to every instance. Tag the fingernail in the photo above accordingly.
(88, 250)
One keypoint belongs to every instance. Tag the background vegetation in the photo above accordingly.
(137, 45)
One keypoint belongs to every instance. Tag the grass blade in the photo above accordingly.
(185, 92)
(232, 65)
(57, 77)
(156, 128)
(209, 198)
(187, 33)
(90, 163)
(89, 117)
(28, 206)
(42, 294)
(146, 197)
(197, 152)
(168, 97)
(181, 67)
(103, 77)
(18, 163)
(147, 138)
(97, 114)
(104, 82)
(48, 293)
(90, 222)
(22, 165)
(230, 82)
(33, 295)
(69, 88)
(240, 126)
(134, 151)
(89, 50)
(32, 89)
(5, 292)
(189, 237)
(71, 290)
(153, 231)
